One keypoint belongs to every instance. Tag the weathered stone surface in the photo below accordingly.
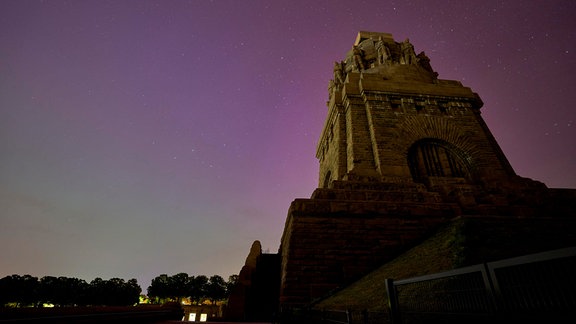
(403, 153)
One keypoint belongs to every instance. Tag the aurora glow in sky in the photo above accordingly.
(147, 137)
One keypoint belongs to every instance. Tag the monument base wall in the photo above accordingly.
(343, 233)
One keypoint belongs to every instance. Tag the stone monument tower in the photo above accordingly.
(390, 119)
(402, 155)
(402, 152)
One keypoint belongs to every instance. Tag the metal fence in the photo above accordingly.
(537, 288)
(533, 288)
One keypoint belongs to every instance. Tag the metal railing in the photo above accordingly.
(534, 287)
(537, 288)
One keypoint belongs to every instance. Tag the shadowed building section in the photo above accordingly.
(255, 296)
(402, 153)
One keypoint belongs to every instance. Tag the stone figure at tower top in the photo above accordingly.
(378, 53)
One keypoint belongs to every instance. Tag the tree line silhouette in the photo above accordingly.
(197, 288)
(27, 290)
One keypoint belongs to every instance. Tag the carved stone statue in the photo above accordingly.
(358, 58)
(338, 73)
(383, 51)
(408, 54)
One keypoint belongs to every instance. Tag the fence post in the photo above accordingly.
(392, 301)
(348, 316)
(493, 288)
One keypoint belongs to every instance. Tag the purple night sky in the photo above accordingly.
(147, 137)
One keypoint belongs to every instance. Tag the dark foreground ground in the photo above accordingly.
(144, 314)
(180, 322)
(86, 315)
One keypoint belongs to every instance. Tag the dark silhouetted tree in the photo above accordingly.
(179, 285)
(198, 289)
(69, 291)
(97, 292)
(114, 292)
(159, 289)
(231, 283)
(122, 293)
(48, 290)
(132, 290)
(216, 288)
(19, 290)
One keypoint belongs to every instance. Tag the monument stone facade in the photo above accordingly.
(401, 154)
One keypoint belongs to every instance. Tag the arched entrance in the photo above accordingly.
(436, 158)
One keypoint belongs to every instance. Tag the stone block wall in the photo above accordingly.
(384, 118)
(401, 153)
(347, 231)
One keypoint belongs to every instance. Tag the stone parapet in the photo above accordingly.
(350, 208)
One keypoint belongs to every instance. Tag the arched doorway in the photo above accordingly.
(436, 158)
